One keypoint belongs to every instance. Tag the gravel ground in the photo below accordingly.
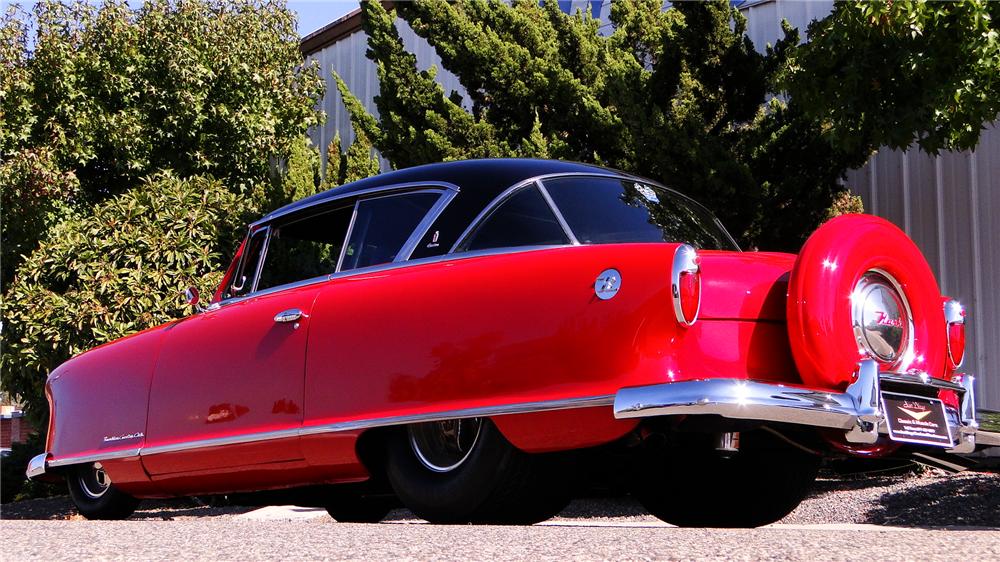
(929, 499)
(235, 539)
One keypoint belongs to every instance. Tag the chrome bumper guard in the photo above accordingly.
(36, 467)
(857, 411)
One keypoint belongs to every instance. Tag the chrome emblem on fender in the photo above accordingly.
(607, 284)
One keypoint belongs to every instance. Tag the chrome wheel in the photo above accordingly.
(94, 482)
(444, 445)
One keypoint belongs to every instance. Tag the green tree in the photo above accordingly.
(678, 95)
(334, 162)
(112, 95)
(118, 270)
(895, 73)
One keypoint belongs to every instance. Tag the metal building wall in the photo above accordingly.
(949, 205)
(347, 58)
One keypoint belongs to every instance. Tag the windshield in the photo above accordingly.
(610, 211)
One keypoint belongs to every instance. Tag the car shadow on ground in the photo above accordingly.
(60, 507)
(944, 502)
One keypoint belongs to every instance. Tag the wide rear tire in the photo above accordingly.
(490, 482)
(95, 496)
(359, 509)
(696, 487)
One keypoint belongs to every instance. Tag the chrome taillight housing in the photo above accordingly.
(954, 317)
(685, 284)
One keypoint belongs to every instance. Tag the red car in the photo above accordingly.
(477, 340)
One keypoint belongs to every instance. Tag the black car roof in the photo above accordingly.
(479, 181)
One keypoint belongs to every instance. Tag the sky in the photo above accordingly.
(314, 14)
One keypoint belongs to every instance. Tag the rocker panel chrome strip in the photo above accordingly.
(505, 409)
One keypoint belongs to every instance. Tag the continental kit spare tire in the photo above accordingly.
(860, 289)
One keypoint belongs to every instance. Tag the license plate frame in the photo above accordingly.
(916, 419)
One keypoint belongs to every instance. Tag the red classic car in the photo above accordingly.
(467, 339)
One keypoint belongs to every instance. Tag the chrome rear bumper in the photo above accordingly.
(857, 411)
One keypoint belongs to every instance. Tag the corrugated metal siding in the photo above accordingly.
(347, 58)
(948, 204)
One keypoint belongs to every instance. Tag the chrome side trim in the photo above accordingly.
(360, 193)
(36, 466)
(501, 410)
(486, 411)
(558, 214)
(94, 457)
(220, 441)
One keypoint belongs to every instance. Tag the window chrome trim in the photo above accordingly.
(261, 258)
(347, 236)
(388, 267)
(558, 214)
(352, 425)
(360, 193)
(447, 191)
(424, 226)
(540, 179)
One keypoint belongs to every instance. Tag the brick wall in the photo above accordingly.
(14, 428)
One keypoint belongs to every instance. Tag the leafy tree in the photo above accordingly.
(678, 95)
(109, 95)
(118, 270)
(895, 73)
(359, 162)
(334, 162)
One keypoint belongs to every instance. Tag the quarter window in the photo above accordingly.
(246, 271)
(383, 225)
(525, 219)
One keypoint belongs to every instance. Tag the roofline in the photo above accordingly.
(335, 31)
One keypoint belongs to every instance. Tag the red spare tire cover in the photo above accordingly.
(819, 311)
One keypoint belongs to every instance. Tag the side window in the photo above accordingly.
(525, 219)
(382, 225)
(246, 271)
(304, 247)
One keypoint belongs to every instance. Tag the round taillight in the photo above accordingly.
(954, 317)
(685, 284)
(882, 321)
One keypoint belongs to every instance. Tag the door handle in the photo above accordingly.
(290, 315)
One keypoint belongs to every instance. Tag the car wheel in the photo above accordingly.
(95, 496)
(697, 487)
(465, 471)
(359, 509)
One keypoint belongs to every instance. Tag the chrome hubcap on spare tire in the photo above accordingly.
(443, 446)
(94, 481)
(881, 315)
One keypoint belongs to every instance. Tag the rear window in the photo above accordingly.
(611, 211)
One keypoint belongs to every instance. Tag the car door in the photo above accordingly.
(227, 389)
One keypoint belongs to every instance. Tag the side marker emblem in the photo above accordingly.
(607, 284)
